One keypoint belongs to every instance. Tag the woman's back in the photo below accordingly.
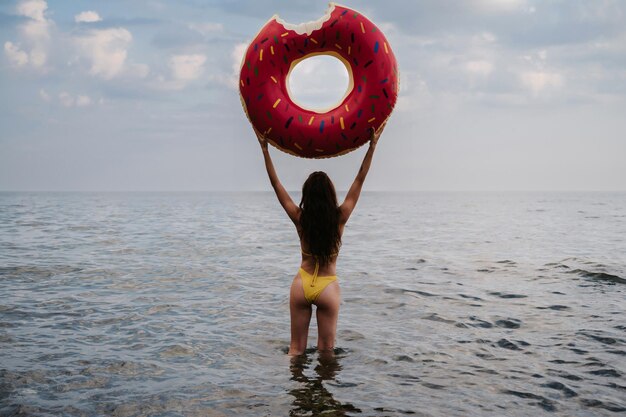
(319, 219)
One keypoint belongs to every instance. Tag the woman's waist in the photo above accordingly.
(322, 271)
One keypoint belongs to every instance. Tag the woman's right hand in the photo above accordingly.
(375, 134)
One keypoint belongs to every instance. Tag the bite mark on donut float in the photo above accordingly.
(368, 102)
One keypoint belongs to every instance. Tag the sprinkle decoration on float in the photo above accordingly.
(369, 100)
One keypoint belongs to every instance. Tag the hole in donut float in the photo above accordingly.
(319, 82)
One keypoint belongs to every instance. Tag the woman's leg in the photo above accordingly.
(300, 317)
(327, 313)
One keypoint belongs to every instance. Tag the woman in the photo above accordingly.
(320, 223)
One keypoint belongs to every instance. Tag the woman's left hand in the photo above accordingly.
(262, 139)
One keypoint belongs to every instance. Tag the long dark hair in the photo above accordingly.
(319, 218)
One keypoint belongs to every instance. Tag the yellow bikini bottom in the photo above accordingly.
(313, 285)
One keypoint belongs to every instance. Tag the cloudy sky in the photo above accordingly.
(141, 95)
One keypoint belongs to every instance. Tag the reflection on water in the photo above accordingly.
(312, 397)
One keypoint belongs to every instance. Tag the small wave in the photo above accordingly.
(568, 392)
(562, 362)
(616, 386)
(565, 375)
(577, 260)
(343, 384)
(544, 403)
(405, 377)
(606, 372)
(36, 272)
(556, 265)
(352, 335)
(557, 307)
(477, 322)
(394, 306)
(91, 382)
(177, 350)
(592, 402)
(433, 386)
(599, 276)
(507, 344)
(504, 295)
(436, 317)
(471, 297)
(509, 323)
(602, 339)
(403, 290)
(507, 262)
(160, 309)
(5, 338)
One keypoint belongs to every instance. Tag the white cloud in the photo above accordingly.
(36, 30)
(540, 81)
(543, 54)
(35, 9)
(83, 101)
(318, 82)
(226, 77)
(184, 69)
(239, 51)
(34, 34)
(44, 95)
(16, 56)
(37, 34)
(461, 65)
(107, 50)
(38, 57)
(206, 28)
(187, 67)
(479, 67)
(500, 6)
(88, 16)
(68, 100)
(237, 54)
(484, 38)
(138, 70)
(537, 75)
(414, 93)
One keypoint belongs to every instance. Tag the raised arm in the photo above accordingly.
(293, 211)
(355, 190)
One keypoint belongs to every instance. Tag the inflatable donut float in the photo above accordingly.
(368, 101)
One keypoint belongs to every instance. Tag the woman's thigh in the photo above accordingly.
(300, 311)
(327, 313)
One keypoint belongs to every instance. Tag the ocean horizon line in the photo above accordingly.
(380, 191)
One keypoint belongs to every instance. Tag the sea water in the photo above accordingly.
(172, 304)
